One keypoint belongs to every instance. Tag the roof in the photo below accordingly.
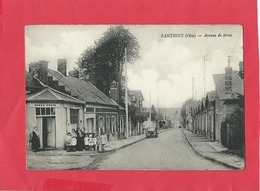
(49, 94)
(31, 82)
(136, 93)
(119, 106)
(211, 96)
(237, 85)
(83, 89)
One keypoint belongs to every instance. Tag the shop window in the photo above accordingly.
(74, 116)
(48, 111)
(52, 111)
(45, 111)
(101, 125)
(101, 122)
(108, 123)
(38, 111)
(113, 124)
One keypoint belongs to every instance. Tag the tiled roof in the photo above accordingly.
(89, 92)
(83, 89)
(49, 94)
(237, 85)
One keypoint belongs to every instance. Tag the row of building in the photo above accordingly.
(220, 115)
(57, 103)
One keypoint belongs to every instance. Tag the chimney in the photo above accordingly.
(228, 78)
(62, 66)
(39, 70)
(114, 94)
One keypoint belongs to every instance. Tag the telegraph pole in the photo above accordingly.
(192, 88)
(126, 97)
(150, 106)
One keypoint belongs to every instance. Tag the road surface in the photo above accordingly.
(170, 151)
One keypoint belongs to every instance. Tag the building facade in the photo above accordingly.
(220, 116)
(58, 103)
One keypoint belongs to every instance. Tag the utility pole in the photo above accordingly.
(204, 59)
(126, 98)
(150, 106)
(192, 88)
(158, 114)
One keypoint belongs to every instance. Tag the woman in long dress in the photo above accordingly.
(35, 140)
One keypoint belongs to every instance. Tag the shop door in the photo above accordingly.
(39, 124)
(49, 132)
(90, 125)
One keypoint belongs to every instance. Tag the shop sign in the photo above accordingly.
(45, 105)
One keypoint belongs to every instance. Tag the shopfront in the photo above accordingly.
(54, 118)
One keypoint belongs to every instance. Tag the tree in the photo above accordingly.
(74, 73)
(104, 62)
(186, 105)
(136, 115)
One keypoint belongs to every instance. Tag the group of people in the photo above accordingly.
(75, 141)
(78, 141)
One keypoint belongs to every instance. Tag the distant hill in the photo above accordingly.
(173, 113)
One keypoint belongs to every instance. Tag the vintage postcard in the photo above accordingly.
(135, 97)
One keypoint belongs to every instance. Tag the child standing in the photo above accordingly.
(103, 141)
(98, 142)
(73, 140)
(68, 142)
(91, 142)
(86, 143)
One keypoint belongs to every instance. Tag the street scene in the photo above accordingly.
(134, 97)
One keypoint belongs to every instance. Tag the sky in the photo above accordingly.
(171, 55)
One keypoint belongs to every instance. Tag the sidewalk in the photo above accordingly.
(213, 151)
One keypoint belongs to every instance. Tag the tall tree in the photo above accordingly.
(104, 62)
(186, 105)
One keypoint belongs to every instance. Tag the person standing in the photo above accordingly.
(103, 141)
(73, 140)
(86, 142)
(80, 141)
(95, 142)
(98, 142)
(68, 142)
(35, 139)
(91, 142)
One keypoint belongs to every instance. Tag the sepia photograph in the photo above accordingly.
(134, 97)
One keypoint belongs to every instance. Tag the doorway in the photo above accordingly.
(90, 125)
(48, 132)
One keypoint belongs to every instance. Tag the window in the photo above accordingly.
(113, 124)
(74, 116)
(101, 127)
(101, 122)
(49, 111)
